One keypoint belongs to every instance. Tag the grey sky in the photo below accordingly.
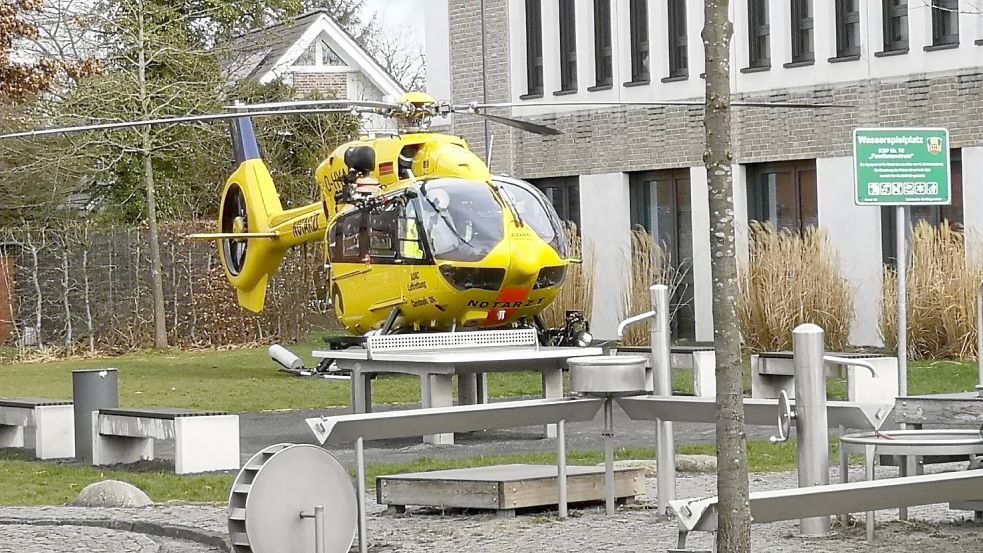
(394, 14)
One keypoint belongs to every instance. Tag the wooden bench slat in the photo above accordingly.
(159, 413)
(31, 403)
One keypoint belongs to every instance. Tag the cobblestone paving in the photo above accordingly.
(633, 529)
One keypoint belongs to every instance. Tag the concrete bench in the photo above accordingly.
(52, 420)
(773, 371)
(203, 441)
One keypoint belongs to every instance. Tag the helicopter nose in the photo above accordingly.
(525, 262)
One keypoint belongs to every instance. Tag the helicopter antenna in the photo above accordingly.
(491, 149)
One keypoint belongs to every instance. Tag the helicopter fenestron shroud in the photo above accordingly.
(255, 232)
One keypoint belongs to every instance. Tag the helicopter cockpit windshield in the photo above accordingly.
(462, 220)
(535, 211)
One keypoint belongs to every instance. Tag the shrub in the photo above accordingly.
(791, 279)
(650, 264)
(942, 286)
(577, 292)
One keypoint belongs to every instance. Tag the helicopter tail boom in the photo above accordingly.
(254, 232)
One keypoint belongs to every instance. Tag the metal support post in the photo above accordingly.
(363, 542)
(979, 338)
(609, 456)
(319, 529)
(662, 369)
(902, 265)
(561, 467)
(810, 423)
(91, 390)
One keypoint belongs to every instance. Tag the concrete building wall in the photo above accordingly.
(607, 245)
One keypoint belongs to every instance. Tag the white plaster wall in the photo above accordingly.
(869, 66)
(855, 234)
(437, 49)
(973, 196)
(702, 281)
(605, 228)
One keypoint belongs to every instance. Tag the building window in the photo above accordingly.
(847, 28)
(568, 46)
(534, 48)
(638, 20)
(895, 25)
(951, 215)
(603, 72)
(945, 22)
(678, 55)
(660, 204)
(802, 31)
(759, 54)
(563, 194)
(783, 195)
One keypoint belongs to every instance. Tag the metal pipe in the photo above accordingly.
(851, 363)
(979, 338)
(319, 529)
(632, 320)
(561, 467)
(363, 541)
(662, 369)
(902, 265)
(609, 456)
(810, 422)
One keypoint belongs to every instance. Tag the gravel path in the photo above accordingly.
(632, 529)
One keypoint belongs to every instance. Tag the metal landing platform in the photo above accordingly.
(503, 488)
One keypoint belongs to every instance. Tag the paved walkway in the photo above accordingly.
(200, 529)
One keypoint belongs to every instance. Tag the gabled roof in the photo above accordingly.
(267, 54)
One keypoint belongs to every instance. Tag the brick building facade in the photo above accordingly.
(885, 66)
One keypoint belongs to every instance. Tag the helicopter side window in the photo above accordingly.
(410, 246)
(382, 232)
(347, 246)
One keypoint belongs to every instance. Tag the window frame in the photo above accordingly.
(603, 50)
(678, 39)
(567, 16)
(802, 31)
(891, 16)
(534, 49)
(943, 13)
(641, 67)
(759, 35)
(845, 19)
(757, 210)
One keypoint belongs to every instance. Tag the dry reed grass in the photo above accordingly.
(792, 279)
(650, 264)
(577, 292)
(942, 286)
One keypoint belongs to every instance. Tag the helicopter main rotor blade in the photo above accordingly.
(168, 121)
(641, 103)
(316, 103)
(520, 124)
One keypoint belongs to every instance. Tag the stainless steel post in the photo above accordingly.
(810, 406)
(979, 338)
(319, 529)
(609, 455)
(91, 390)
(561, 467)
(662, 369)
(363, 541)
(902, 265)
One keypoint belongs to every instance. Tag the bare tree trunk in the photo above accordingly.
(86, 294)
(734, 515)
(36, 281)
(157, 281)
(66, 288)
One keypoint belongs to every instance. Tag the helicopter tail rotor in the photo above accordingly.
(254, 232)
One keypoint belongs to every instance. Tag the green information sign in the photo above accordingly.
(901, 166)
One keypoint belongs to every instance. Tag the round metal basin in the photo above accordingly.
(608, 375)
(917, 442)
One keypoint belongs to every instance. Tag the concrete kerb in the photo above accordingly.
(210, 539)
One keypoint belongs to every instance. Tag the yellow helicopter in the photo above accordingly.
(418, 233)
